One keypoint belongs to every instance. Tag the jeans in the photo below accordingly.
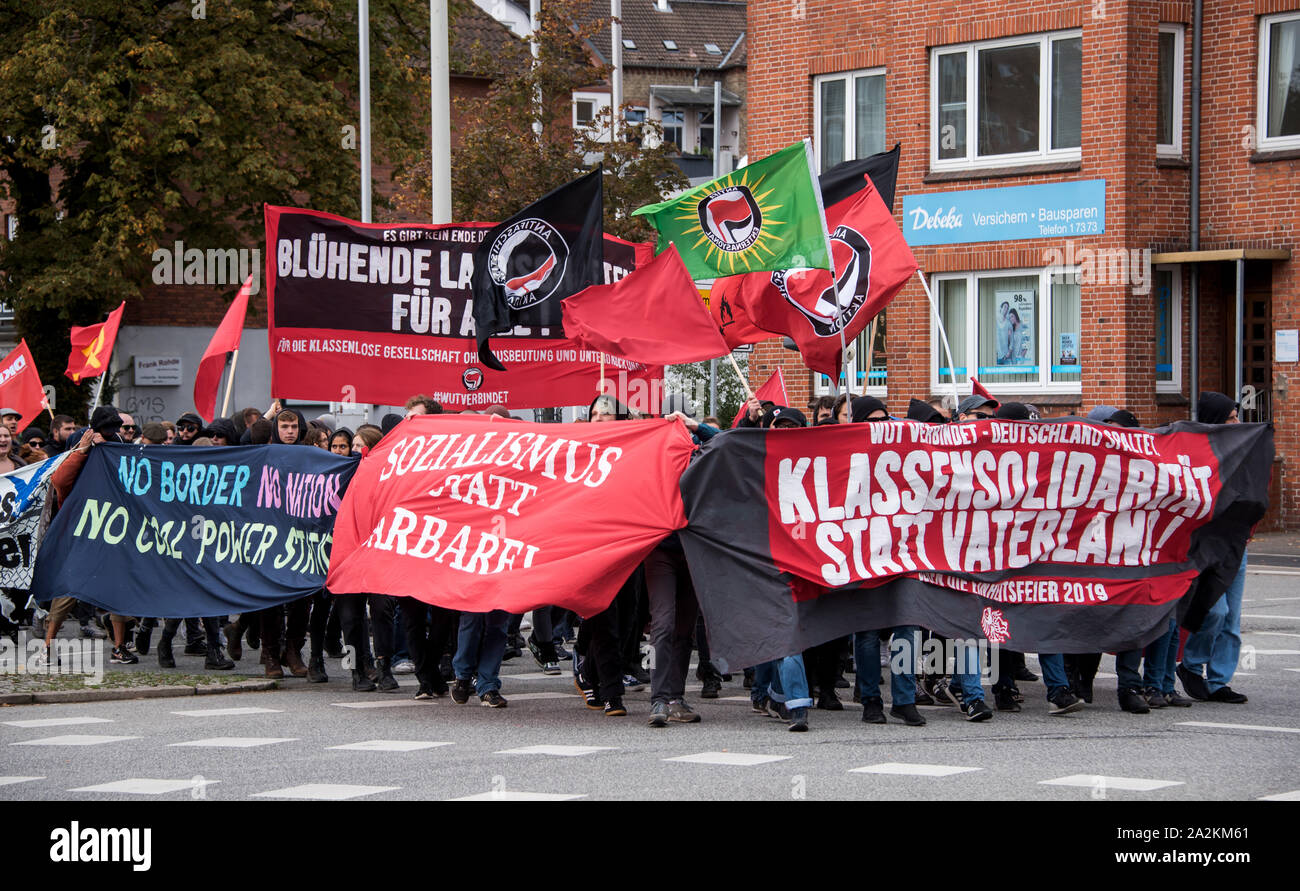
(1217, 646)
(479, 648)
(866, 656)
(1053, 667)
(790, 683)
(1127, 663)
(763, 675)
(1161, 655)
(966, 672)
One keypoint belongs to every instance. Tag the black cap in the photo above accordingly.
(1124, 418)
(864, 406)
(106, 419)
(1214, 408)
(786, 415)
(389, 421)
(919, 410)
(1013, 411)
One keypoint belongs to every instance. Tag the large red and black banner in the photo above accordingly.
(375, 312)
(1061, 536)
(476, 513)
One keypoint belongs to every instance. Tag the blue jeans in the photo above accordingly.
(1053, 668)
(480, 645)
(790, 684)
(1161, 655)
(966, 672)
(763, 675)
(1217, 646)
(866, 656)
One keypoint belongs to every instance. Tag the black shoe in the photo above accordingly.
(1131, 700)
(316, 670)
(123, 656)
(977, 710)
(829, 702)
(1083, 689)
(215, 660)
(165, 657)
(712, 684)
(493, 699)
(1154, 698)
(1024, 674)
(426, 692)
(1194, 684)
(908, 715)
(760, 706)
(642, 676)
(334, 649)
(922, 697)
(1176, 701)
(873, 710)
(386, 682)
(361, 682)
(798, 720)
(614, 709)
(196, 649)
(444, 668)
(1064, 702)
(589, 695)
(842, 683)
(461, 690)
(233, 645)
(1227, 694)
(142, 636)
(1005, 700)
(749, 678)
(511, 653)
(947, 694)
(778, 710)
(253, 637)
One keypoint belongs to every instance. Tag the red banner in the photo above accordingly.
(477, 513)
(375, 312)
(20, 385)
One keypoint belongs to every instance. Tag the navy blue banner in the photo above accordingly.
(178, 531)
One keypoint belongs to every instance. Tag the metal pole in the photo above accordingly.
(616, 77)
(717, 129)
(363, 41)
(1195, 372)
(1236, 334)
(534, 16)
(943, 335)
(713, 387)
(440, 114)
(99, 388)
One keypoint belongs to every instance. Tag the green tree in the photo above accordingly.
(125, 124)
(692, 381)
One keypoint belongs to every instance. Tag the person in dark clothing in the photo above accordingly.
(188, 426)
(924, 412)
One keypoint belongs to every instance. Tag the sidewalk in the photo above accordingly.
(1274, 549)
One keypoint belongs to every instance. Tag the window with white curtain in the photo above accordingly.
(1169, 86)
(1279, 82)
(848, 116)
(868, 368)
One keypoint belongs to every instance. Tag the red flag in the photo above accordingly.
(20, 385)
(653, 315)
(773, 389)
(92, 346)
(979, 389)
(872, 263)
(207, 380)
(473, 512)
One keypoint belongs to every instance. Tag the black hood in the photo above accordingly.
(1214, 408)
(919, 410)
(863, 406)
(302, 427)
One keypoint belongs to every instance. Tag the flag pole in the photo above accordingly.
(99, 388)
(601, 388)
(943, 335)
(749, 394)
(230, 383)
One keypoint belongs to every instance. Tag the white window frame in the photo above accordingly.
(973, 161)
(1044, 384)
(1264, 142)
(599, 105)
(1176, 333)
(823, 386)
(1174, 149)
(850, 118)
(681, 146)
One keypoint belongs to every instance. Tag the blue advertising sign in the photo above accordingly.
(1050, 210)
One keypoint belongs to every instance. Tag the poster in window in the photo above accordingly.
(1068, 349)
(1015, 330)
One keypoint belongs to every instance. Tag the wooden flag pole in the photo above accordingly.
(749, 394)
(943, 335)
(230, 383)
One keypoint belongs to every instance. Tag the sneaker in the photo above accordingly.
(1174, 700)
(749, 678)
(760, 706)
(798, 720)
(658, 715)
(681, 713)
(403, 666)
(1154, 698)
(1227, 694)
(551, 668)
(1193, 683)
(1064, 702)
(536, 651)
(842, 683)
(90, 631)
(614, 709)
(922, 697)
(588, 692)
(908, 715)
(198, 649)
(444, 668)
(40, 660)
(977, 710)
(873, 710)
(123, 656)
(1005, 700)
(946, 694)
(426, 693)
(778, 710)
(493, 699)
(829, 702)
(1131, 700)
(631, 684)
(563, 654)
(712, 684)
(1024, 674)
(461, 690)
(642, 676)
(142, 637)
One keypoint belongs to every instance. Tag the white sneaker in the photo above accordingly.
(41, 660)
(403, 666)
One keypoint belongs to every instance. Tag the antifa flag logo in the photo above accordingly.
(994, 626)
(731, 219)
(528, 261)
(831, 308)
(472, 378)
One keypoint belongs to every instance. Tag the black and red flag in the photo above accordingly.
(1059, 536)
(526, 265)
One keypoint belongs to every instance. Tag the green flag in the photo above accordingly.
(768, 215)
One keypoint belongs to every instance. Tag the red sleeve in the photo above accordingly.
(65, 475)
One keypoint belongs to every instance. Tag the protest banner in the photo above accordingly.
(478, 513)
(194, 531)
(1060, 536)
(374, 312)
(24, 497)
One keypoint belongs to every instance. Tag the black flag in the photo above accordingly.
(550, 250)
(845, 179)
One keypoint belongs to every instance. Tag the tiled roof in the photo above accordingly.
(469, 26)
(690, 24)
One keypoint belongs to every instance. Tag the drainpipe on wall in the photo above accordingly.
(1195, 215)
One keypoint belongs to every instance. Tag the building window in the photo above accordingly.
(1169, 329)
(867, 367)
(843, 133)
(1015, 331)
(1169, 125)
(1015, 101)
(713, 49)
(670, 45)
(706, 132)
(674, 121)
(1279, 82)
(584, 112)
(629, 43)
(634, 115)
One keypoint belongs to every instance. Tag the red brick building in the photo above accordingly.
(1085, 110)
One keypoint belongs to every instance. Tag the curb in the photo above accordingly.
(91, 695)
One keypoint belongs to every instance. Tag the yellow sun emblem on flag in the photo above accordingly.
(738, 228)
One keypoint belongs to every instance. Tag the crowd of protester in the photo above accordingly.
(648, 633)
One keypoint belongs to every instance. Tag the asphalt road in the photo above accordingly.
(286, 743)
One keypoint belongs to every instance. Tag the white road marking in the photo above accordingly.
(1258, 616)
(1274, 633)
(9, 781)
(1123, 784)
(1274, 599)
(1218, 726)
(326, 791)
(1250, 571)
(85, 739)
(740, 759)
(58, 722)
(517, 796)
(563, 751)
(142, 786)
(521, 697)
(1274, 653)
(1282, 796)
(219, 712)
(384, 703)
(390, 745)
(236, 742)
(895, 768)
